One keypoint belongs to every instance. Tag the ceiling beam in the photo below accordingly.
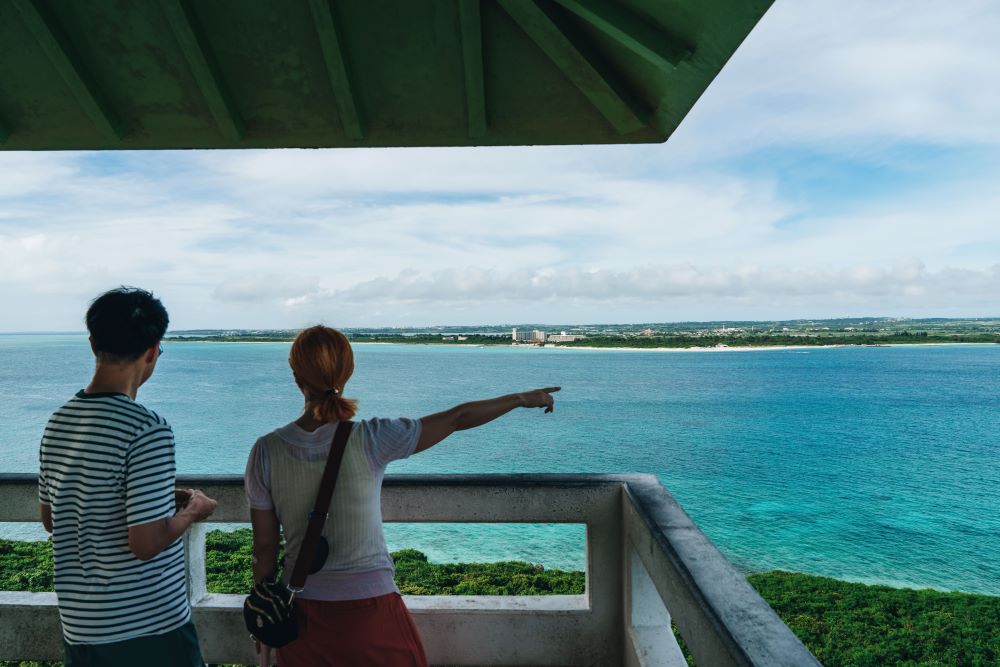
(602, 92)
(344, 93)
(472, 57)
(205, 69)
(631, 31)
(57, 49)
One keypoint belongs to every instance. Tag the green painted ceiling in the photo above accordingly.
(130, 74)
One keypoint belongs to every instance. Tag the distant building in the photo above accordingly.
(535, 336)
(564, 338)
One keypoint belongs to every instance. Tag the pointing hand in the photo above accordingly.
(539, 398)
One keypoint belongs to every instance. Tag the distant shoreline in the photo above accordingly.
(615, 348)
(757, 348)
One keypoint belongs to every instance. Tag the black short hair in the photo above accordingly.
(125, 322)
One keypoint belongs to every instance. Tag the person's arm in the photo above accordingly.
(147, 540)
(266, 538)
(44, 502)
(151, 502)
(435, 428)
(263, 517)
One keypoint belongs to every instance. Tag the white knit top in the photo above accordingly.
(284, 473)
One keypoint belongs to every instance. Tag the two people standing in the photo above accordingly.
(107, 493)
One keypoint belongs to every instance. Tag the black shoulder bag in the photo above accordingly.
(269, 610)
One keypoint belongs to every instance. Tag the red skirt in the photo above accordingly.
(373, 631)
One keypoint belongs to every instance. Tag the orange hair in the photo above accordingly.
(322, 362)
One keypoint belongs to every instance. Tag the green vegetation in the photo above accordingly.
(853, 624)
(844, 624)
(227, 566)
(26, 566)
(778, 339)
(416, 576)
(433, 339)
(864, 331)
(652, 341)
(407, 339)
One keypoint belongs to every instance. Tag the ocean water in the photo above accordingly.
(869, 464)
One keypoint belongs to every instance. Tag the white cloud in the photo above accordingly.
(711, 224)
(904, 278)
(231, 260)
(846, 75)
(30, 173)
(265, 288)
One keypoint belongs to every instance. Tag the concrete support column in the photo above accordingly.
(649, 638)
(194, 559)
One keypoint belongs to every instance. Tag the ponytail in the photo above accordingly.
(332, 407)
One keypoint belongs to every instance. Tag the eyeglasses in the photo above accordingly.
(159, 352)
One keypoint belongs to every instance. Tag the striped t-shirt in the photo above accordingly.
(107, 463)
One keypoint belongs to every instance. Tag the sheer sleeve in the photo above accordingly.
(257, 478)
(388, 440)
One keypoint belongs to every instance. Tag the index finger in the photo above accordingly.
(551, 390)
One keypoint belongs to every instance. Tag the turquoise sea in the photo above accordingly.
(870, 464)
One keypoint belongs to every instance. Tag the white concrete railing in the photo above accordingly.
(647, 564)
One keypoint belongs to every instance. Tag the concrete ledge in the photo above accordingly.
(721, 617)
(456, 630)
(29, 627)
(458, 604)
(646, 563)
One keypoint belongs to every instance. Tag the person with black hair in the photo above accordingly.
(106, 492)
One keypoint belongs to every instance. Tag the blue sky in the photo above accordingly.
(844, 163)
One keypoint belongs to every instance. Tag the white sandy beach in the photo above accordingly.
(757, 348)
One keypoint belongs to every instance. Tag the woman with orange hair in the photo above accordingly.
(350, 611)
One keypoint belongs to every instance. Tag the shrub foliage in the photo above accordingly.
(852, 624)
(844, 624)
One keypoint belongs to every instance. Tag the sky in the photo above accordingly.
(844, 163)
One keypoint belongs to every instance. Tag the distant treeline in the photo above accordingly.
(636, 341)
(843, 624)
(434, 339)
(417, 339)
(768, 339)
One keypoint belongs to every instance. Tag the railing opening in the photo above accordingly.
(554, 545)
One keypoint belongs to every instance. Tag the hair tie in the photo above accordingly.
(331, 392)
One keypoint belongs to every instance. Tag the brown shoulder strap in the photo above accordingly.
(317, 518)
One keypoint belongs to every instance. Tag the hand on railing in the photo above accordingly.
(196, 502)
(181, 498)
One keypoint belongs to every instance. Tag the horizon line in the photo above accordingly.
(39, 332)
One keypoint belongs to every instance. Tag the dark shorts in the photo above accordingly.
(374, 631)
(177, 648)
